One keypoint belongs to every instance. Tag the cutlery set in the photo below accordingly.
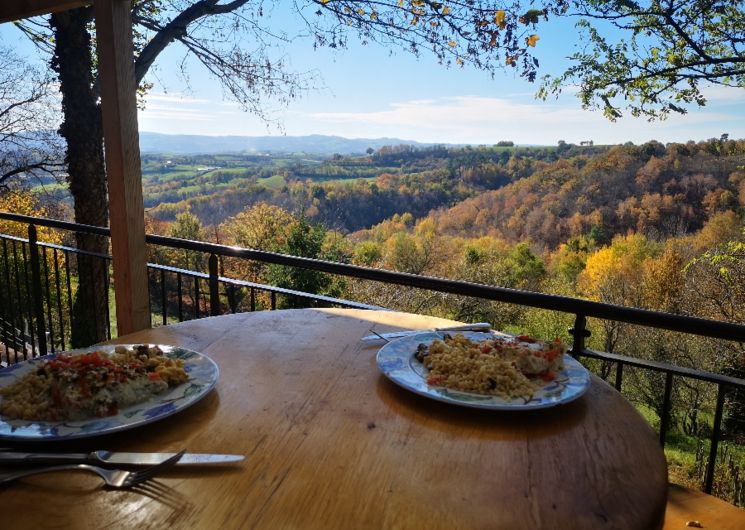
(149, 464)
(387, 337)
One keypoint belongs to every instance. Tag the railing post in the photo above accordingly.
(163, 297)
(709, 479)
(38, 302)
(214, 286)
(665, 420)
(580, 333)
(619, 375)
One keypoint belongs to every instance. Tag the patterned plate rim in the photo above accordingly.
(396, 361)
(128, 418)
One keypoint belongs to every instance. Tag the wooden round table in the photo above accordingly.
(331, 443)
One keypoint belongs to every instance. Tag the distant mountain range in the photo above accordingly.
(312, 144)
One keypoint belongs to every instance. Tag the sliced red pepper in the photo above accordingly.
(548, 376)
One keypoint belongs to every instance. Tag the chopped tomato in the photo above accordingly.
(434, 380)
(548, 376)
(525, 338)
(154, 376)
(552, 354)
(486, 348)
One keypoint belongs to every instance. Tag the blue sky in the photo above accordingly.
(365, 92)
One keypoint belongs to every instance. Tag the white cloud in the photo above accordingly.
(473, 119)
(176, 97)
(461, 119)
(724, 94)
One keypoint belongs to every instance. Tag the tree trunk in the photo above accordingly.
(82, 129)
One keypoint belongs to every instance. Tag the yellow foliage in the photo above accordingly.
(598, 267)
(25, 203)
(664, 278)
(499, 18)
(614, 273)
(532, 40)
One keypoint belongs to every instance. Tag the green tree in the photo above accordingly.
(717, 290)
(262, 227)
(653, 57)
(307, 241)
(188, 226)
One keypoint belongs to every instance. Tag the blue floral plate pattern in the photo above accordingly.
(397, 362)
(203, 374)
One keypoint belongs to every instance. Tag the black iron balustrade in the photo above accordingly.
(582, 309)
(32, 318)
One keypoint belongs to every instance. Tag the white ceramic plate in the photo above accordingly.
(203, 374)
(396, 361)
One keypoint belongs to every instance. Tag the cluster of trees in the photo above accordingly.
(659, 191)
(346, 193)
(542, 195)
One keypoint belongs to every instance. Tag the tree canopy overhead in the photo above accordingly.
(652, 57)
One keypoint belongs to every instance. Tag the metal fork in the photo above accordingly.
(114, 478)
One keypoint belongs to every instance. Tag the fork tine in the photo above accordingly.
(138, 477)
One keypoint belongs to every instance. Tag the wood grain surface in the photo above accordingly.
(331, 443)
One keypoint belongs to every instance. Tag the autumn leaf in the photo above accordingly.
(531, 17)
(532, 40)
(445, 10)
(499, 19)
(452, 44)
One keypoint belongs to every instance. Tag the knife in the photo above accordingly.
(479, 326)
(114, 458)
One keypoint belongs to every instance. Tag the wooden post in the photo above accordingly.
(17, 9)
(121, 139)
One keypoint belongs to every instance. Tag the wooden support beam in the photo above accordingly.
(18, 9)
(121, 143)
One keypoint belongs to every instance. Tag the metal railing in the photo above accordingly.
(32, 267)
